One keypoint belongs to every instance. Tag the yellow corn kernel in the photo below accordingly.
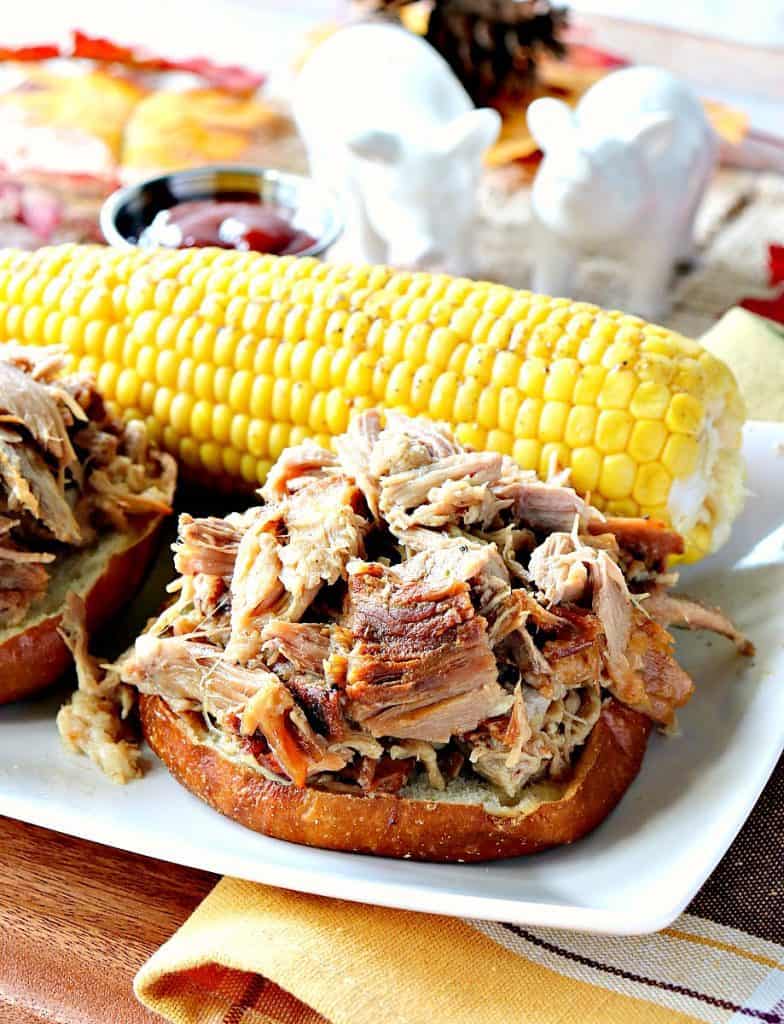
(180, 413)
(652, 486)
(302, 392)
(617, 389)
(613, 430)
(580, 425)
(500, 441)
(127, 387)
(259, 437)
(650, 401)
(528, 416)
(588, 385)
(240, 390)
(616, 479)
(471, 435)
(487, 410)
(221, 423)
(261, 395)
(443, 396)
(561, 380)
(239, 431)
(532, 377)
(680, 455)
(421, 386)
(647, 440)
(526, 453)
(586, 468)
(552, 422)
(685, 414)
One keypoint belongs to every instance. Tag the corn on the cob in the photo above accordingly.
(230, 357)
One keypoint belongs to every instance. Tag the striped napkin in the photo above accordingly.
(251, 954)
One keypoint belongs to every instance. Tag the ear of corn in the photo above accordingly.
(231, 357)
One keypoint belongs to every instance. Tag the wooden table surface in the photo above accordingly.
(77, 920)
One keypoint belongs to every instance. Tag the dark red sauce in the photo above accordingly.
(228, 224)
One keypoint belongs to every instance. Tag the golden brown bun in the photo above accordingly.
(435, 828)
(33, 654)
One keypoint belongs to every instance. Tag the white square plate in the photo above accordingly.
(634, 874)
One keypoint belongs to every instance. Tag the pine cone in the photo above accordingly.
(491, 45)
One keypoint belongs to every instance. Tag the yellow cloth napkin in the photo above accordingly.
(251, 954)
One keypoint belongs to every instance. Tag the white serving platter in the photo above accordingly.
(634, 874)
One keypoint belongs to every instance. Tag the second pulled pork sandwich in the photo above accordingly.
(414, 649)
(81, 497)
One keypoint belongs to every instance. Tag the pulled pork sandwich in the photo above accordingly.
(414, 649)
(81, 496)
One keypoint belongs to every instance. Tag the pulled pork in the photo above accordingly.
(482, 642)
(68, 471)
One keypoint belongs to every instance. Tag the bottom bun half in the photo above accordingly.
(462, 823)
(33, 654)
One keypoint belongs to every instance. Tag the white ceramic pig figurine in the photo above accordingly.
(622, 176)
(388, 127)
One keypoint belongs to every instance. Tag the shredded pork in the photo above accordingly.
(407, 607)
(68, 471)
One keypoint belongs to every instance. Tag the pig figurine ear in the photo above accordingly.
(653, 134)
(551, 122)
(471, 133)
(377, 146)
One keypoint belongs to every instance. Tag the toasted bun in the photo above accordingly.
(32, 653)
(463, 823)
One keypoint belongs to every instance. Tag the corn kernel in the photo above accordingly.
(617, 389)
(471, 435)
(302, 392)
(240, 390)
(649, 401)
(588, 385)
(500, 441)
(443, 396)
(616, 479)
(399, 386)
(221, 383)
(527, 421)
(261, 396)
(526, 453)
(317, 416)
(487, 410)
(162, 404)
(622, 507)
(259, 437)
(202, 381)
(467, 400)
(652, 486)
(421, 386)
(552, 422)
(586, 467)
(561, 380)
(613, 430)
(221, 423)
(685, 414)
(647, 440)
(681, 454)
(180, 412)
(580, 426)
(127, 388)
(532, 377)
(248, 468)
(280, 400)
(337, 409)
(107, 379)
